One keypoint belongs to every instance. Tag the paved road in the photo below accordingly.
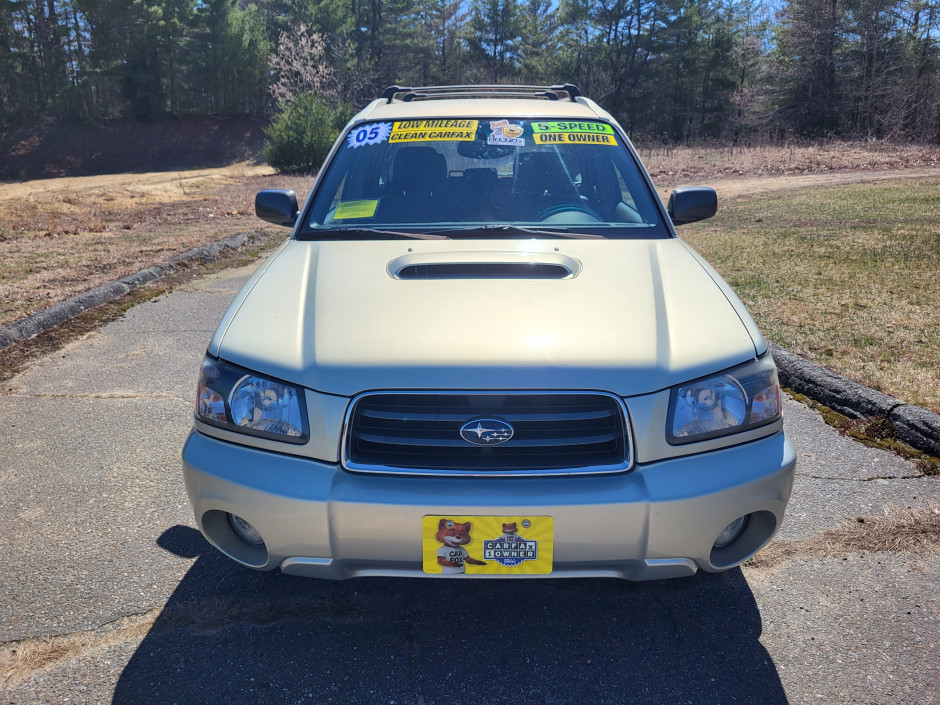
(108, 594)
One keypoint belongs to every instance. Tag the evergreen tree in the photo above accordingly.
(804, 66)
(234, 52)
(496, 38)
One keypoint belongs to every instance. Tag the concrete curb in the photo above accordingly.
(48, 318)
(914, 425)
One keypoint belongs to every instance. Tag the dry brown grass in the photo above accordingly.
(672, 164)
(20, 660)
(897, 530)
(59, 237)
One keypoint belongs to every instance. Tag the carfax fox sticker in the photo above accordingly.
(468, 545)
(506, 133)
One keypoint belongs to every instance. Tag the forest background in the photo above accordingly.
(672, 71)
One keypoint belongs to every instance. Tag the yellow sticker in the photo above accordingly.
(574, 138)
(355, 209)
(558, 126)
(427, 130)
(493, 545)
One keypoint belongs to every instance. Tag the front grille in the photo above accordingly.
(553, 433)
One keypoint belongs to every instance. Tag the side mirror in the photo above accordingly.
(689, 204)
(276, 206)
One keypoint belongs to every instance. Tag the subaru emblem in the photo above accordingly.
(486, 432)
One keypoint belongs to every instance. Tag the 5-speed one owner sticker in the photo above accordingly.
(500, 545)
(568, 132)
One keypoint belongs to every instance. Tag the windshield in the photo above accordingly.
(490, 177)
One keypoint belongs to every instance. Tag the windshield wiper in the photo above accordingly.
(377, 231)
(521, 230)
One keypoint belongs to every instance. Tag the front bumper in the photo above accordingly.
(658, 521)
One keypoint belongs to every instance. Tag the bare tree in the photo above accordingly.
(302, 66)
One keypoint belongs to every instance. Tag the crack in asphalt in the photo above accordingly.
(863, 479)
(95, 395)
(21, 659)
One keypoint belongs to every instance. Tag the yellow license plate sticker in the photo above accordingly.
(492, 545)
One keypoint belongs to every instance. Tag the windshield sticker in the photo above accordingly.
(587, 127)
(506, 133)
(355, 209)
(465, 545)
(574, 138)
(369, 134)
(428, 130)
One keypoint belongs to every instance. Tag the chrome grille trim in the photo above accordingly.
(407, 426)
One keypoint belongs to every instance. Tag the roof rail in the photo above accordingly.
(481, 91)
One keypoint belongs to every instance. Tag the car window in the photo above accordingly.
(464, 175)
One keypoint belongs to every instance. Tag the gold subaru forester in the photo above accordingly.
(484, 352)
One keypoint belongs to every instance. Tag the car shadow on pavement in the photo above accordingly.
(231, 635)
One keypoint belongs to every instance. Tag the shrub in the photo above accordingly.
(301, 135)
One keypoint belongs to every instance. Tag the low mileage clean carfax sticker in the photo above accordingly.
(500, 545)
(569, 132)
(369, 134)
(430, 130)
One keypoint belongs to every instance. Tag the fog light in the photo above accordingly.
(245, 530)
(731, 532)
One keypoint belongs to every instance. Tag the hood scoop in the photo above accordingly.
(484, 265)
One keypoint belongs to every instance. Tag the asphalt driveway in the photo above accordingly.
(108, 593)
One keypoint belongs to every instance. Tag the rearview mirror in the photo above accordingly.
(276, 206)
(690, 204)
(478, 149)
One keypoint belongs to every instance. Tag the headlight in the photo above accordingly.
(738, 400)
(236, 399)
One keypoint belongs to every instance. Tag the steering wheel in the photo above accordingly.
(567, 208)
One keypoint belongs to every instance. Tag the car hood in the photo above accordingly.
(633, 316)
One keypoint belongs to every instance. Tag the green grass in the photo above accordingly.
(848, 276)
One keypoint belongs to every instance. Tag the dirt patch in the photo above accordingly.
(740, 171)
(730, 187)
(157, 186)
(675, 165)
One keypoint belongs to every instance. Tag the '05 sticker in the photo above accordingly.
(369, 134)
